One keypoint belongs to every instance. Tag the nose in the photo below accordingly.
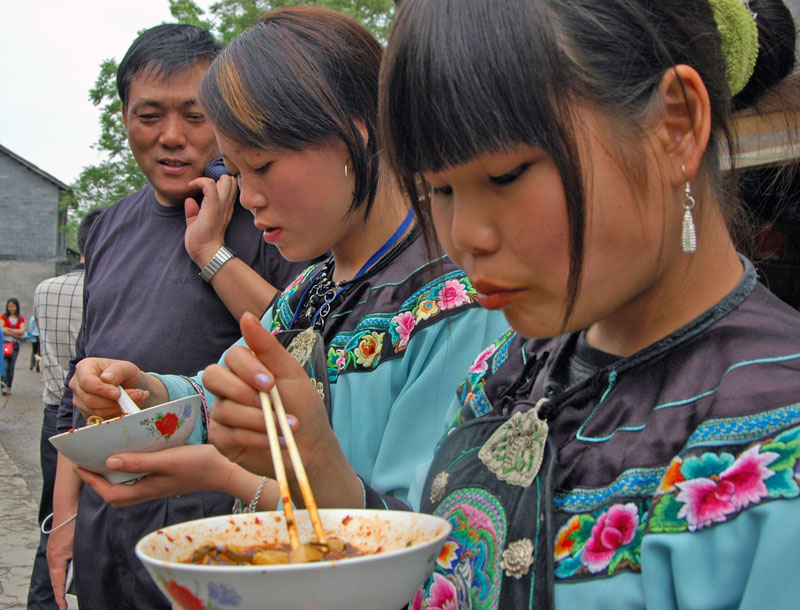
(250, 197)
(472, 229)
(173, 133)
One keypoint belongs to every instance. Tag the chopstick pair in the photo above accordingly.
(267, 402)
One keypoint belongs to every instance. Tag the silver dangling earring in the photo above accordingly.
(347, 178)
(688, 233)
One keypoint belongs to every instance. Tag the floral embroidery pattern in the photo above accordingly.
(695, 492)
(453, 294)
(481, 362)
(368, 352)
(404, 324)
(614, 529)
(470, 392)
(601, 542)
(426, 309)
(711, 488)
(467, 573)
(708, 500)
(164, 425)
(381, 336)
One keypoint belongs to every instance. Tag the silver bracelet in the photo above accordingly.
(251, 508)
(57, 527)
(223, 255)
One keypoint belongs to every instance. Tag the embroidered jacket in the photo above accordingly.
(398, 342)
(669, 478)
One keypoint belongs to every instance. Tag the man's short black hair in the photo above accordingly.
(166, 49)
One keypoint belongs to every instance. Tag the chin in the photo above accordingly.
(529, 325)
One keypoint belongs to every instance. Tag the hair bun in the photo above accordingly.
(776, 52)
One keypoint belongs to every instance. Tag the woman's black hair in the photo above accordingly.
(16, 302)
(297, 78)
(776, 50)
(465, 77)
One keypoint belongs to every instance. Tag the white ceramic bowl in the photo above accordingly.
(407, 546)
(167, 425)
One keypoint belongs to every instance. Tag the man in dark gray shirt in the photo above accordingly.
(145, 301)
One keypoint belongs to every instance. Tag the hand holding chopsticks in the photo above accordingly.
(268, 401)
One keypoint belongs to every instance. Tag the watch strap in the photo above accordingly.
(223, 255)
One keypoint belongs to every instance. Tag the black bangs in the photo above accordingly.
(453, 89)
(464, 77)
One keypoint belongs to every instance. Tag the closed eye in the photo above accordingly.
(510, 176)
(443, 190)
(263, 168)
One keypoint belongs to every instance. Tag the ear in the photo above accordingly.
(684, 123)
(125, 117)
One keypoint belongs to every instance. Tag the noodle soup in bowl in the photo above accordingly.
(169, 424)
(397, 553)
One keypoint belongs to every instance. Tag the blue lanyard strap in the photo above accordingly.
(377, 255)
(380, 252)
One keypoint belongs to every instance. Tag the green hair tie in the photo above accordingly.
(739, 34)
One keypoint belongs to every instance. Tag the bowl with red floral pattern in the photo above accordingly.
(166, 425)
(211, 563)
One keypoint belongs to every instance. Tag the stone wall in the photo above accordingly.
(20, 278)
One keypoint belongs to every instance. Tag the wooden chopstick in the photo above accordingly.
(280, 470)
(299, 469)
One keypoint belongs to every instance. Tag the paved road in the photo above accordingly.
(20, 481)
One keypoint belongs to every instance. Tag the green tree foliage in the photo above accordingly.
(118, 175)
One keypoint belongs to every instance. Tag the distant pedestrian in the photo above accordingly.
(33, 336)
(13, 325)
(58, 307)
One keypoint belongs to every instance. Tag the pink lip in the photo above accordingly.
(491, 296)
(272, 234)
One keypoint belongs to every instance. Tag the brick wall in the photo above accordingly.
(28, 214)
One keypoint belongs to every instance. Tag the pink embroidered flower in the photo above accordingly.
(341, 359)
(404, 324)
(614, 529)
(453, 294)
(481, 362)
(708, 500)
(442, 594)
(419, 597)
(426, 309)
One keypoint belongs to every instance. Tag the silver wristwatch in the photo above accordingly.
(223, 255)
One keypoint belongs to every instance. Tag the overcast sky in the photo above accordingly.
(50, 54)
